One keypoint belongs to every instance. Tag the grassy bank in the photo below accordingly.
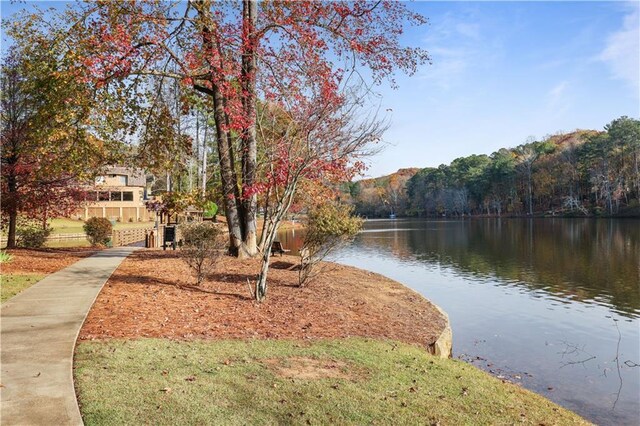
(12, 284)
(338, 381)
(72, 226)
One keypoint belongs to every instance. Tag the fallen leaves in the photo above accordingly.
(146, 297)
(46, 261)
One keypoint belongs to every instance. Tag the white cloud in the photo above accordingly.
(457, 44)
(557, 91)
(558, 99)
(468, 30)
(622, 52)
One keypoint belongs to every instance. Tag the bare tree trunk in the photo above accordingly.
(228, 177)
(249, 143)
(12, 186)
(11, 234)
(204, 159)
(231, 194)
(530, 192)
(270, 234)
(261, 284)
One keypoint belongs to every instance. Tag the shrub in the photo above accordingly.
(98, 230)
(329, 226)
(201, 247)
(5, 257)
(210, 209)
(32, 236)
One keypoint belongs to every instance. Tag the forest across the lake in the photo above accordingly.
(581, 173)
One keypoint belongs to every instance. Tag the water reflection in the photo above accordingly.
(587, 260)
(551, 304)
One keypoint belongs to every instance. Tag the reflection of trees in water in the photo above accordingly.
(581, 259)
(291, 240)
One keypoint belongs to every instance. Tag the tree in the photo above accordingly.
(329, 226)
(316, 141)
(47, 148)
(201, 247)
(526, 156)
(625, 140)
(236, 53)
(500, 175)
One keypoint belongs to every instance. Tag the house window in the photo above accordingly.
(127, 196)
(103, 196)
(116, 196)
(122, 180)
(100, 180)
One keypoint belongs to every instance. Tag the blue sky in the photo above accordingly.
(504, 71)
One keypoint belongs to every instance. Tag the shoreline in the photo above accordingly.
(308, 360)
(130, 317)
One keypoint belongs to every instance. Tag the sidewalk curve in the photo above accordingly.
(38, 328)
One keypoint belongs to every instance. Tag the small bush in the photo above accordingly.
(201, 247)
(32, 236)
(5, 257)
(329, 226)
(98, 230)
(210, 209)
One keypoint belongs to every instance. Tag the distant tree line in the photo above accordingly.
(579, 173)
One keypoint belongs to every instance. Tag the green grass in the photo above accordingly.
(164, 382)
(72, 226)
(10, 285)
(5, 257)
(83, 242)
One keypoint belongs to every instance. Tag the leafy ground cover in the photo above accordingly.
(12, 284)
(339, 381)
(151, 294)
(44, 261)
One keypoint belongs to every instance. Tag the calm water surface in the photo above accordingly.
(552, 304)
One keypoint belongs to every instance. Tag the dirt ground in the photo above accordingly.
(150, 295)
(44, 261)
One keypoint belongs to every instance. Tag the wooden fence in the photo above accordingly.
(119, 237)
(124, 237)
(55, 237)
(151, 236)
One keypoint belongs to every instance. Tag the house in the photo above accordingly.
(119, 194)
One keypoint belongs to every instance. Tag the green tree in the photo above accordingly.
(624, 134)
(329, 226)
(232, 54)
(48, 142)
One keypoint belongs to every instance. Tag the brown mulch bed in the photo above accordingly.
(150, 295)
(44, 261)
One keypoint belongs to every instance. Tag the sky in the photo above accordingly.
(504, 71)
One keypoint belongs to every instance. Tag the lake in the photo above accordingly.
(551, 304)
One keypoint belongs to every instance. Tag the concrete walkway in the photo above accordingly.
(39, 328)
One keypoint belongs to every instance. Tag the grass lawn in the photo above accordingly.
(341, 381)
(11, 284)
(72, 226)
